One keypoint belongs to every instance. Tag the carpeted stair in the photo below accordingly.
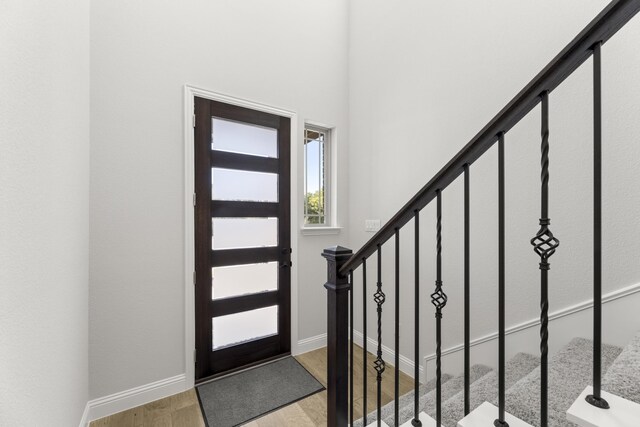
(405, 400)
(485, 389)
(427, 397)
(570, 371)
(449, 389)
(623, 377)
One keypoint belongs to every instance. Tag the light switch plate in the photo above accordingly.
(371, 225)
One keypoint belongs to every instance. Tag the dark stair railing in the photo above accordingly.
(342, 263)
(500, 422)
(544, 244)
(467, 301)
(439, 300)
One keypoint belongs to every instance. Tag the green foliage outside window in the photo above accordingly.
(314, 207)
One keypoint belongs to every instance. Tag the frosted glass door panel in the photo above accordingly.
(243, 138)
(243, 327)
(245, 279)
(238, 185)
(233, 233)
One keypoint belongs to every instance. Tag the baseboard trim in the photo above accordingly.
(567, 311)
(311, 343)
(406, 365)
(118, 402)
(319, 341)
(84, 421)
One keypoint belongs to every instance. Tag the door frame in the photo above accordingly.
(190, 92)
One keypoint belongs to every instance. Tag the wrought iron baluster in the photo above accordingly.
(364, 340)
(379, 363)
(467, 303)
(416, 373)
(439, 300)
(351, 348)
(396, 385)
(596, 399)
(545, 245)
(500, 422)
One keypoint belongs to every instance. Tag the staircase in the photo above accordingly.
(528, 390)
(569, 373)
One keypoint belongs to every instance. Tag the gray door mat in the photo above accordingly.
(242, 397)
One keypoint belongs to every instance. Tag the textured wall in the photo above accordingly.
(424, 79)
(44, 211)
(287, 54)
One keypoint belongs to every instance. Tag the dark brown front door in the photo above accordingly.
(242, 237)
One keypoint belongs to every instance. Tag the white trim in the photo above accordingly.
(190, 92)
(621, 413)
(406, 365)
(84, 421)
(329, 220)
(319, 341)
(320, 231)
(331, 178)
(189, 241)
(312, 343)
(118, 402)
(424, 418)
(485, 414)
(567, 311)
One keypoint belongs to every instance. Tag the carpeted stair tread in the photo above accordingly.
(485, 389)
(405, 399)
(623, 377)
(449, 389)
(570, 371)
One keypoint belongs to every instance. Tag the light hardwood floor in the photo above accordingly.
(183, 410)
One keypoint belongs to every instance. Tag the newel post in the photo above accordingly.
(337, 336)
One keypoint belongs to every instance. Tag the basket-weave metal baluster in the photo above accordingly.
(439, 300)
(379, 363)
(545, 245)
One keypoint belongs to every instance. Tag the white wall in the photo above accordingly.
(424, 79)
(44, 199)
(285, 53)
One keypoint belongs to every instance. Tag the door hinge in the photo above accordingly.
(194, 120)
(194, 278)
(194, 199)
(195, 360)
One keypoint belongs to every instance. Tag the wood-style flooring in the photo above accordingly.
(183, 410)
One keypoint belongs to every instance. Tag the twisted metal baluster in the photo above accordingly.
(545, 245)
(439, 300)
(379, 363)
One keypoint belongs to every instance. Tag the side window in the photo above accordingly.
(317, 141)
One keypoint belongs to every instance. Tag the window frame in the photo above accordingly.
(327, 170)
